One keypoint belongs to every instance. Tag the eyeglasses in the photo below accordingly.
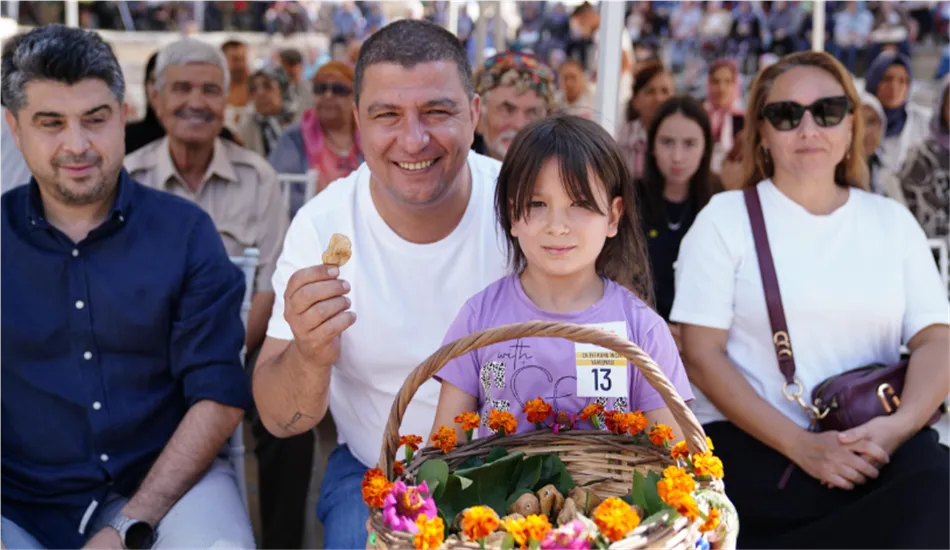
(337, 89)
(827, 112)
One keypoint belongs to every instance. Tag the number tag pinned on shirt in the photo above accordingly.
(601, 372)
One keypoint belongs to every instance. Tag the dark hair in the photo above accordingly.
(291, 56)
(702, 185)
(581, 148)
(150, 67)
(410, 42)
(232, 43)
(60, 54)
(647, 71)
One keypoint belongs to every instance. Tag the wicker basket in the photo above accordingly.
(605, 460)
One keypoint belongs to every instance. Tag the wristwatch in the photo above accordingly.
(136, 534)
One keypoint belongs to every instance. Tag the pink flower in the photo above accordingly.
(571, 536)
(404, 504)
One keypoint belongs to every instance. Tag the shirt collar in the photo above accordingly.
(220, 166)
(36, 214)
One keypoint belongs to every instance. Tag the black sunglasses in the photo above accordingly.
(827, 112)
(340, 90)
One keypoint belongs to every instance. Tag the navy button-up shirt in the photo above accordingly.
(105, 345)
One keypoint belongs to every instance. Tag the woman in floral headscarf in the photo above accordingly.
(925, 176)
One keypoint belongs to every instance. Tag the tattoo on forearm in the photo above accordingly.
(298, 416)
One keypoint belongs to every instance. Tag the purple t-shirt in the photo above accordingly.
(507, 375)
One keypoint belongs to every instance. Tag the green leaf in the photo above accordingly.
(454, 499)
(637, 493)
(628, 499)
(658, 515)
(528, 473)
(434, 472)
(472, 462)
(653, 501)
(508, 543)
(565, 483)
(490, 482)
(495, 453)
(466, 482)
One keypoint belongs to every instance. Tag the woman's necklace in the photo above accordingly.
(676, 226)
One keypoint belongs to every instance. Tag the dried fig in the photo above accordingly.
(587, 501)
(338, 251)
(526, 505)
(568, 512)
(551, 501)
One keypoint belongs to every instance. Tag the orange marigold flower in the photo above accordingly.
(636, 422)
(707, 464)
(680, 450)
(537, 527)
(712, 521)
(479, 521)
(431, 533)
(613, 420)
(468, 420)
(591, 410)
(375, 488)
(498, 420)
(413, 441)
(444, 439)
(399, 467)
(683, 503)
(675, 479)
(709, 444)
(615, 518)
(537, 410)
(660, 433)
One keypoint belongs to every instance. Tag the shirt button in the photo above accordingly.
(87, 356)
(80, 304)
(96, 406)
(121, 218)
(75, 252)
(104, 457)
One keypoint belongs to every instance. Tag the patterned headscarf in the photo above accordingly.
(521, 70)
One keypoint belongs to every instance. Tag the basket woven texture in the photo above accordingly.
(601, 459)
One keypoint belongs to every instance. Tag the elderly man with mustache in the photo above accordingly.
(516, 89)
(237, 187)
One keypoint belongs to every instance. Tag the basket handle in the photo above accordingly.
(693, 433)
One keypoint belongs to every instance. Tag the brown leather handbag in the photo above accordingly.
(840, 402)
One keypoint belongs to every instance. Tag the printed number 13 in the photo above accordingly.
(602, 380)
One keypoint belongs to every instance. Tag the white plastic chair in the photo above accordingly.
(287, 181)
(248, 264)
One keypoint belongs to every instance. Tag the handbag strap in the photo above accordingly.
(792, 389)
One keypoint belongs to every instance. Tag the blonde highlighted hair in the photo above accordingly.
(757, 164)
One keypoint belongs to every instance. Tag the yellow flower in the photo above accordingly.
(375, 488)
(444, 439)
(479, 521)
(399, 467)
(591, 410)
(413, 441)
(537, 410)
(517, 529)
(712, 521)
(537, 527)
(709, 444)
(431, 533)
(468, 420)
(680, 450)
(707, 464)
(615, 518)
(660, 433)
(498, 420)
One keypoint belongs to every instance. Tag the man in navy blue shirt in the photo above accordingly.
(121, 329)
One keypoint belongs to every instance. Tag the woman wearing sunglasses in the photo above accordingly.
(856, 280)
(326, 138)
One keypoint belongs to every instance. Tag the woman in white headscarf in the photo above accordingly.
(883, 180)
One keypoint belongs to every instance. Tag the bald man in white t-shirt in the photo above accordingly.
(420, 216)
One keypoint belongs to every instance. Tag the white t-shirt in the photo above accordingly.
(405, 297)
(855, 285)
